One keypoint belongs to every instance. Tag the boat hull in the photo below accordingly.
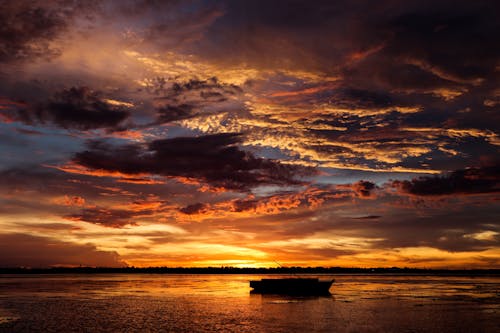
(292, 286)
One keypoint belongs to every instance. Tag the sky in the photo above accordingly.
(246, 133)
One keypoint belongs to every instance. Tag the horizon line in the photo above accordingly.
(235, 268)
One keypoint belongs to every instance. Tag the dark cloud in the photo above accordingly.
(368, 217)
(33, 251)
(189, 99)
(193, 209)
(452, 35)
(154, 28)
(349, 97)
(215, 159)
(245, 205)
(362, 188)
(29, 27)
(26, 31)
(432, 49)
(31, 178)
(468, 181)
(114, 218)
(81, 108)
(455, 230)
(294, 31)
(170, 113)
(210, 88)
(458, 39)
(74, 108)
(346, 99)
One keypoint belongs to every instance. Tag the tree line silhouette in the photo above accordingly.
(244, 270)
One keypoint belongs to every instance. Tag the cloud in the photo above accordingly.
(75, 108)
(451, 229)
(67, 189)
(184, 100)
(362, 188)
(359, 90)
(416, 59)
(152, 26)
(443, 37)
(31, 28)
(168, 113)
(214, 159)
(368, 217)
(27, 31)
(80, 108)
(33, 251)
(467, 181)
(248, 206)
(48, 191)
(196, 208)
(70, 201)
(106, 201)
(341, 98)
(443, 40)
(115, 218)
(308, 199)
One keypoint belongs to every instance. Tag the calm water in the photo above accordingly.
(208, 303)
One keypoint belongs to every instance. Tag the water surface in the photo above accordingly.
(208, 303)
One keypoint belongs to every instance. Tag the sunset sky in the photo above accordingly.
(241, 133)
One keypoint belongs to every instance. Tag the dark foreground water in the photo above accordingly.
(210, 303)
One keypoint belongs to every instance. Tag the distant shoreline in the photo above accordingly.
(235, 270)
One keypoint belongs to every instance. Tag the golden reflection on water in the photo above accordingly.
(233, 285)
(190, 303)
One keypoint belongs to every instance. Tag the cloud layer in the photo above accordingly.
(231, 132)
(214, 159)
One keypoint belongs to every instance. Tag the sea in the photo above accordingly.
(224, 303)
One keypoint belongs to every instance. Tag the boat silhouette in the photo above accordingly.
(292, 286)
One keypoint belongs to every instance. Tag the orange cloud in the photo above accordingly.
(148, 181)
(151, 205)
(306, 91)
(360, 55)
(140, 178)
(310, 198)
(69, 201)
(81, 170)
(127, 134)
(362, 189)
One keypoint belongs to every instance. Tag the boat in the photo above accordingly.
(292, 286)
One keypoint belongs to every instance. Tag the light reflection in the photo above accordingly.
(180, 302)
